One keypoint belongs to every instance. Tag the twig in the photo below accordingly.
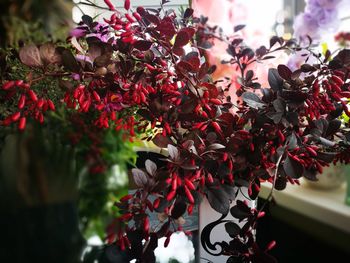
(273, 184)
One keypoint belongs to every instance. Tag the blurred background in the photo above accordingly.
(309, 225)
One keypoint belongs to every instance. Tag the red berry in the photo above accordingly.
(127, 4)
(8, 85)
(22, 123)
(22, 101)
(15, 117)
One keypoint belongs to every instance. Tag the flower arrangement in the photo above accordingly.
(145, 71)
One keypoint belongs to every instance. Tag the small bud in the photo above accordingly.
(32, 95)
(16, 116)
(189, 195)
(110, 5)
(8, 85)
(271, 245)
(127, 4)
(170, 195)
(22, 123)
(21, 102)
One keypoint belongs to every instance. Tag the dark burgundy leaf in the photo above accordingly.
(248, 52)
(151, 167)
(87, 20)
(69, 61)
(238, 28)
(30, 56)
(261, 51)
(236, 42)
(333, 127)
(337, 112)
(253, 100)
(256, 85)
(293, 168)
(162, 141)
(284, 72)
(294, 96)
(188, 13)
(173, 152)
(212, 69)
(184, 67)
(143, 45)
(179, 209)
(146, 114)
(179, 51)
(152, 18)
(296, 74)
(267, 95)
(275, 80)
(232, 229)
(103, 60)
(229, 190)
(240, 211)
(182, 39)
(140, 178)
(218, 200)
(327, 157)
(48, 54)
(193, 59)
(275, 116)
(292, 141)
(274, 40)
(307, 68)
(203, 70)
(190, 31)
(326, 142)
(279, 105)
(342, 59)
(293, 118)
(166, 28)
(249, 75)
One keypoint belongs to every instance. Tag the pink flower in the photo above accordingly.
(77, 32)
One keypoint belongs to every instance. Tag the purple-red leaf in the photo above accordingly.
(143, 45)
(182, 39)
(162, 141)
(30, 56)
(238, 28)
(140, 178)
(284, 72)
(151, 167)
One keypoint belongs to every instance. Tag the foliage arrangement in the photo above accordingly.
(146, 71)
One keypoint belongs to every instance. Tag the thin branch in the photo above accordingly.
(94, 5)
(273, 184)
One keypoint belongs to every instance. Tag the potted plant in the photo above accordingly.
(145, 70)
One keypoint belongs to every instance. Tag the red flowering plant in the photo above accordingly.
(146, 70)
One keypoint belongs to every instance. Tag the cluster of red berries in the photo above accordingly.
(29, 105)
